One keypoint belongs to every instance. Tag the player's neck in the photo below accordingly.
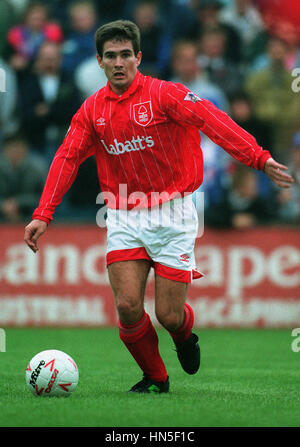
(117, 90)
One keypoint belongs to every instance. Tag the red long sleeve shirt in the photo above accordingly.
(146, 139)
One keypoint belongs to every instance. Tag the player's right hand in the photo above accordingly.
(33, 231)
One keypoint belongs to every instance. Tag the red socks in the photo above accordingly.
(142, 342)
(185, 329)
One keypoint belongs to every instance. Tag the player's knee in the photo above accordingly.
(170, 320)
(128, 308)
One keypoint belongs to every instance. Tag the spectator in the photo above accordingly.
(246, 20)
(185, 69)
(111, 9)
(79, 44)
(155, 41)
(273, 99)
(48, 99)
(212, 58)
(26, 38)
(179, 19)
(22, 177)
(8, 100)
(216, 165)
(291, 57)
(289, 200)
(60, 10)
(208, 18)
(82, 196)
(241, 206)
(241, 111)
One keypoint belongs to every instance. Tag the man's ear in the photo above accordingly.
(139, 58)
(99, 61)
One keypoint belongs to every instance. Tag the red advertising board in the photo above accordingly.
(252, 279)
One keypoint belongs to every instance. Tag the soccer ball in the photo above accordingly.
(52, 373)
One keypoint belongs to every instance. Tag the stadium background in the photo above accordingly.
(246, 63)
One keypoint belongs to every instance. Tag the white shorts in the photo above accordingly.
(164, 235)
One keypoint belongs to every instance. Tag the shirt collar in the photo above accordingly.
(131, 89)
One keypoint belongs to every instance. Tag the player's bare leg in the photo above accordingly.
(170, 297)
(128, 281)
(175, 315)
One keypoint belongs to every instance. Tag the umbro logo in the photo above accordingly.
(100, 122)
(184, 258)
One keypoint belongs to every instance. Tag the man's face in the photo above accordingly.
(185, 63)
(119, 63)
(49, 58)
(83, 18)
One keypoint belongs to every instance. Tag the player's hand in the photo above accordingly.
(33, 231)
(277, 173)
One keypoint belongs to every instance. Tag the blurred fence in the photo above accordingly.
(252, 279)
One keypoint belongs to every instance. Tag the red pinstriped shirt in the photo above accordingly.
(146, 139)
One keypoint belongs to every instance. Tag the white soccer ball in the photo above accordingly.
(52, 373)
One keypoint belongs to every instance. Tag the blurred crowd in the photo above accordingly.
(219, 49)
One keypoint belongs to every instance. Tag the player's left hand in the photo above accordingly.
(277, 174)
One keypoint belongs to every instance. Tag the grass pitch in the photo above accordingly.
(247, 378)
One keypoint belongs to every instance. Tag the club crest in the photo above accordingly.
(142, 113)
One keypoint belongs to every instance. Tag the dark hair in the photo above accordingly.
(75, 3)
(239, 95)
(181, 43)
(33, 5)
(118, 30)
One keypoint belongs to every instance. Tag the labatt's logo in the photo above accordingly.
(135, 144)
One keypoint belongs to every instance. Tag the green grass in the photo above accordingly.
(248, 378)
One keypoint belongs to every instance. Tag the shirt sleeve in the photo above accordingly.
(77, 146)
(186, 108)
